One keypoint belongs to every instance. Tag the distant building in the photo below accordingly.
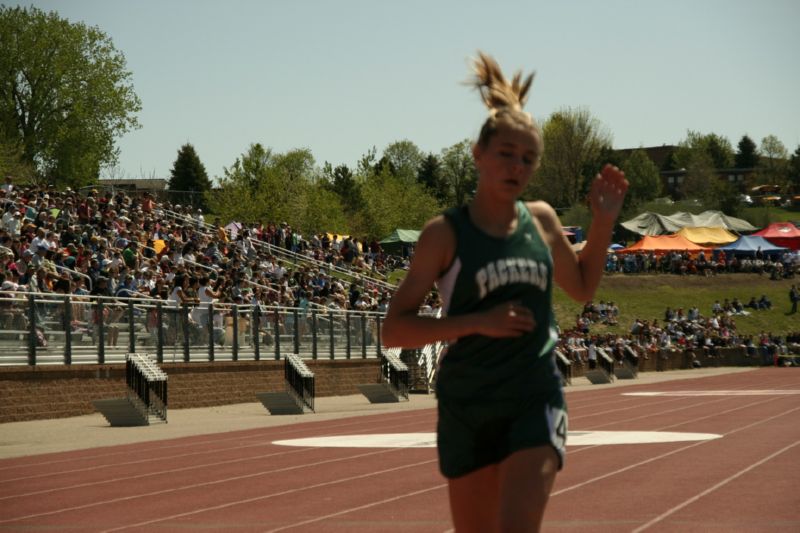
(660, 155)
(155, 185)
(672, 178)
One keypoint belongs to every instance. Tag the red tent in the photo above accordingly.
(783, 234)
(662, 244)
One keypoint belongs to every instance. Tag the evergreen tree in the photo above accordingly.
(747, 153)
(188, 181)
(342, 182)
(430, 176)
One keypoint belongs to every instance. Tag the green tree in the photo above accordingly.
(405, 158)
(717, 148)
(262, 186)
(342, 182)
(774, 157)
(188, 180)
(321, 211)
(794, 171)
(727, 198)
(700, 180)
(65, 94)
(746, 154)
(458, 172)
(12, 163)
(390, 203)
(366, 165)
(249, 169)
(644, 179)
(430, 176)
(574, 144)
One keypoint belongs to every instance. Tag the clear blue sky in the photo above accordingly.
(341, 76)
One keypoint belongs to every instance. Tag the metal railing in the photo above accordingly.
(286, 254)
(52, 328)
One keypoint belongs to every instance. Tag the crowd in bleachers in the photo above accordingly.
(778, 266)
(130, 245)
(116, 244)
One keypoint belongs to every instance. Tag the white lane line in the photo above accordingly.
(664, 455)
(267, 496)
(359, 508)
(684, 407)
(170, 490)
(596, 413)
(428, 440)
(153, 474)
(713, 488)
(159, 446)
(692, 393)
(160, 458)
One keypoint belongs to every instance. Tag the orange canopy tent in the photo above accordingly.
(661, 244)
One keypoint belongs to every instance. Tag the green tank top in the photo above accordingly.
(487, 271)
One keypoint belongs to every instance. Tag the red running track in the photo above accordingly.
(748, 480)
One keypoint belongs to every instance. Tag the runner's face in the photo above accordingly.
(507, 163)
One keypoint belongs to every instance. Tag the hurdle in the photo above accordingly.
(298, 398)
(145, 401)
(564, 367)
(394, 383)
(628, 368)
(604, 372)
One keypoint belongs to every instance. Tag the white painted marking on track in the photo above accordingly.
(428, 440)
(765, 392)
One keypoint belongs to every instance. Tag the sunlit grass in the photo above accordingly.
(648, 296)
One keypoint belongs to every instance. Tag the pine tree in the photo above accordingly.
(189, 182)
(747, 154)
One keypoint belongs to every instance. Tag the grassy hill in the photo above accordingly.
(647, 297)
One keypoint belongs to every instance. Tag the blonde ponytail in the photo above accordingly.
(496, 92)
(505, 101)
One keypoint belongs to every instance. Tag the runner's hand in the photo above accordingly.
(510, 319)
(608, 193)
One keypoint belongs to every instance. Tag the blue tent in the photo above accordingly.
(749, 244)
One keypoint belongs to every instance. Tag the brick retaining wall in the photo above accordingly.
(35, 393)
(676, 360)
(44, 392)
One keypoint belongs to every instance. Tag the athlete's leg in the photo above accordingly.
(525, 479)
(474, 501)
